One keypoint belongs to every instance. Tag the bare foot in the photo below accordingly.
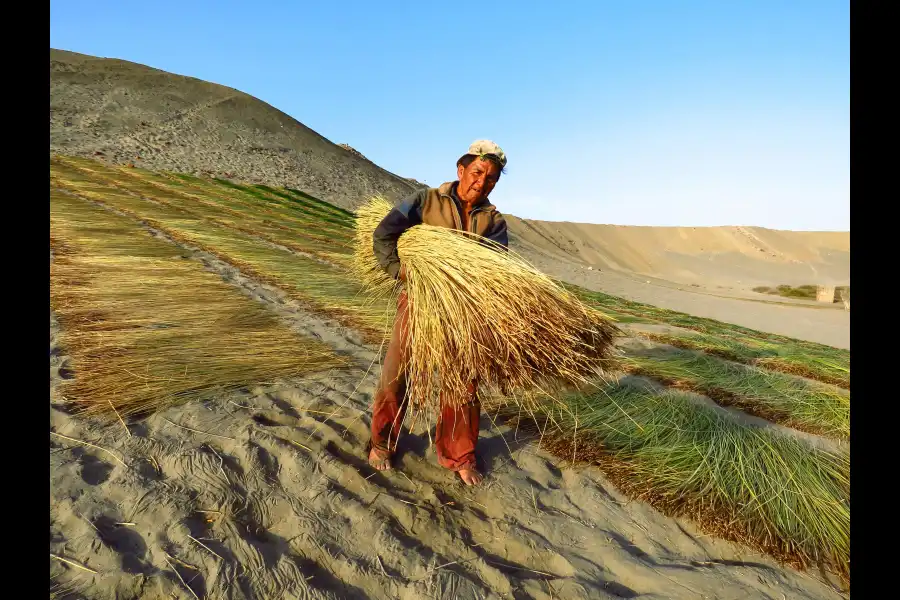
(470, 476)
(379, 461)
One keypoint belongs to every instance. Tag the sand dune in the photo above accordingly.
(704, 271)
(748, 256)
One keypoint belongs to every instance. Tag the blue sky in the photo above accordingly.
(632, 112)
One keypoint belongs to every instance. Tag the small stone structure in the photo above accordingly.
(825, 293)
(845, 297)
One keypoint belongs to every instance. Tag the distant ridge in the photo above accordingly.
(125, 110)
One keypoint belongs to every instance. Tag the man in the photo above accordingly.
(463, 205)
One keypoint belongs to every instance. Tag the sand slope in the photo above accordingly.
(259, 495)
(133, 113)
(265, 493)
(800, 319)
(748, 256)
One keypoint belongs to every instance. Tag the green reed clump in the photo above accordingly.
(806, 405)
(748, 483)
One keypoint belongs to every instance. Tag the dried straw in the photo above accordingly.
(321, 288)
(147, 328)
(480, 313)
(373, 278)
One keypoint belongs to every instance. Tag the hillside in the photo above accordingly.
(133, 113)
(704, 255)
(126, 113)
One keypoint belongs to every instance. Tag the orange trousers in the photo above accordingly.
(457, 428)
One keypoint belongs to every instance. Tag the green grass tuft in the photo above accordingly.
(792, 401)
(750, 484)
(787, 291)
(322, 208)
(328, 205)
(832, 368)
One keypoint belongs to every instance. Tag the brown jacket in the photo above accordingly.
(439, 207)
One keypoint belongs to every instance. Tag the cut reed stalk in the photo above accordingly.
(299, 238)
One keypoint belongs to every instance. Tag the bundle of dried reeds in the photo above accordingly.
(373, 278)
(478, 313)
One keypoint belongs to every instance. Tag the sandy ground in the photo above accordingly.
(239, 512)
(260, 495)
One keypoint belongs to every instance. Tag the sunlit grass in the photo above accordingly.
(146, 328)
(747, 483)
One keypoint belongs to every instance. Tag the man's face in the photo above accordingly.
(477, 180)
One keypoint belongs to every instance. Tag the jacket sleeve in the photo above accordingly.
(384, 241)
(498, 232)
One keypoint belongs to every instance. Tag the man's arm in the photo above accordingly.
(498, 232)
(384, 241)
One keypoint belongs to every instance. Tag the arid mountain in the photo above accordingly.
(129, 112)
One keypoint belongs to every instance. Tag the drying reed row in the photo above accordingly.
(745, 483)
(257, 200)
(264, 216)
(319, 209)
(320, 287)
(782, 358)
(802, 404)
(300, 236)
(243, 200)
(147, 328)
(478, 313)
